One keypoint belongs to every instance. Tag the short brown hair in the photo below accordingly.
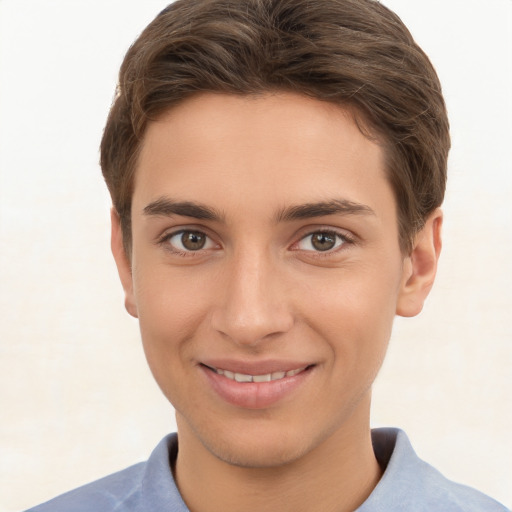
(353, 53)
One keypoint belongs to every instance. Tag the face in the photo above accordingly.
(265, 272)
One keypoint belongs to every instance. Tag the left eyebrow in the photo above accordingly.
(332, 207)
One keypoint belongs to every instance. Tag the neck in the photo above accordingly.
(337, 476)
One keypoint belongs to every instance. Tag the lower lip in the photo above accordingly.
(254, 395)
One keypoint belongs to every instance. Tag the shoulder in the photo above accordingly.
(114, 492)
(409, 483)
(139, 488)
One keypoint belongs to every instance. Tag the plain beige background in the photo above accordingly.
(76, 398)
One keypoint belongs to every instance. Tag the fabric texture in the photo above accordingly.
(407, 485)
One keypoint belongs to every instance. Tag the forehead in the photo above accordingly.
(274, 148)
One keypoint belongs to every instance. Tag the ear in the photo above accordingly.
(123, 263)
(420, 267)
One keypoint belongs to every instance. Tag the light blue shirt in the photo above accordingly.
(408, 484)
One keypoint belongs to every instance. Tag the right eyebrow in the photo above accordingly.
(166, 207)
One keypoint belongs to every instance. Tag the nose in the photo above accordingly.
(253, 305)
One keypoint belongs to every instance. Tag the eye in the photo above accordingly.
(189, 241)
(321, 241)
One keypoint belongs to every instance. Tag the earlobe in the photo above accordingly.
(420, 267)
(123, 263)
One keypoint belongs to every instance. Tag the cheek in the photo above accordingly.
(169, 321)
(354, 311)
(357, 296)
(169, 300)
(171, 310)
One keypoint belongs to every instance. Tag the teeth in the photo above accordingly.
(262, 378)
(242, 377)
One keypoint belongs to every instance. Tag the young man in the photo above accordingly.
(276, 169)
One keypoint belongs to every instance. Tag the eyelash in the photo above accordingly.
(164, 241)
(343, 238)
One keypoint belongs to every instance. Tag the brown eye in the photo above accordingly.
(323, 241)
(189, 241)
(193, 240)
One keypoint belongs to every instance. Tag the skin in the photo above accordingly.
(260, 290)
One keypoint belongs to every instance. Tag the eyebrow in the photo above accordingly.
(332, 207)
(167, 207)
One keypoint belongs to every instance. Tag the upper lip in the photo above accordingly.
(255, 367)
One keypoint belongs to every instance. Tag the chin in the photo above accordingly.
(258, 444)
(258, 453)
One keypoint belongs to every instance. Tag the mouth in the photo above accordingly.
(266, 377)
(257, 387)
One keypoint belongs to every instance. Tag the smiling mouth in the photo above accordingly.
(267, 377)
